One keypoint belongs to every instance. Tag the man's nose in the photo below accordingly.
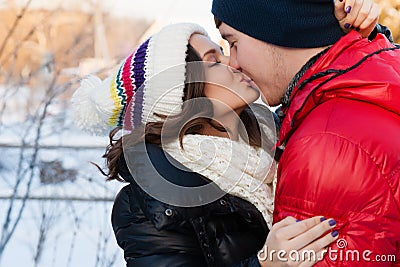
(233, 63)
(225, 60)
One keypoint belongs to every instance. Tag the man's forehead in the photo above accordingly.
(226, 31)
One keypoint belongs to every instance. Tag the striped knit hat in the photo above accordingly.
(150, 80)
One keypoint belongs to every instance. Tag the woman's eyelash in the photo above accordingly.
(214, 64)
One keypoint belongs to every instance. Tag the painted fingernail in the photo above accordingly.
(348, 9)
(347, 25)
(322, 219)
(332, 222)
(298, 220)
(340, 0)
(334, 233)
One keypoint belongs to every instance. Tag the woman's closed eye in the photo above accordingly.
(213, 61)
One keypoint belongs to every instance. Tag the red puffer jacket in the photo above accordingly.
(341, 133)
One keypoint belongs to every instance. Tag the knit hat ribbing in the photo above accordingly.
(150, 80)
(288, 23)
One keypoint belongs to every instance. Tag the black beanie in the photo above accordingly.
(288, 23)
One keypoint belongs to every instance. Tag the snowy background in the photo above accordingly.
(55, 206)
(63, 201)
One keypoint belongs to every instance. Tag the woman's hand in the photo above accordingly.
(290, 238)
(361, 15)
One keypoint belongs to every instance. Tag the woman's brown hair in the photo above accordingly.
(181, 124)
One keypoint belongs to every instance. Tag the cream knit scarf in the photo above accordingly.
(236, 167)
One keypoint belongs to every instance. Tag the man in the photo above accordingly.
(340, 114)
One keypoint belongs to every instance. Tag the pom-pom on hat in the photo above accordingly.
(149, 81)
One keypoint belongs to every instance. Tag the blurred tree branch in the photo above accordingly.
(14, 26)
(390, 16)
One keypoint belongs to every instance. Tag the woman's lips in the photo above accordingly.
(249, 81)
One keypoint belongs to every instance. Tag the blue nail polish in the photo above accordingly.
(348, 9)
(347, 25)
(298, 220)
(334, 233)
(322, 219)
(340, 0)
(332, 222)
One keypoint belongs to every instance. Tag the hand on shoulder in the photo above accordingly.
(360, 15)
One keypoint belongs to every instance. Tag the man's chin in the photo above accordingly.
(269, 102)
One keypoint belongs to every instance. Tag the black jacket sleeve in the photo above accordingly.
(146, 246)
(381, 29)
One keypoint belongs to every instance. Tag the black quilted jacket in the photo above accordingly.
(227, 232)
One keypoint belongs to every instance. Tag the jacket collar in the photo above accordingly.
(339, 72)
